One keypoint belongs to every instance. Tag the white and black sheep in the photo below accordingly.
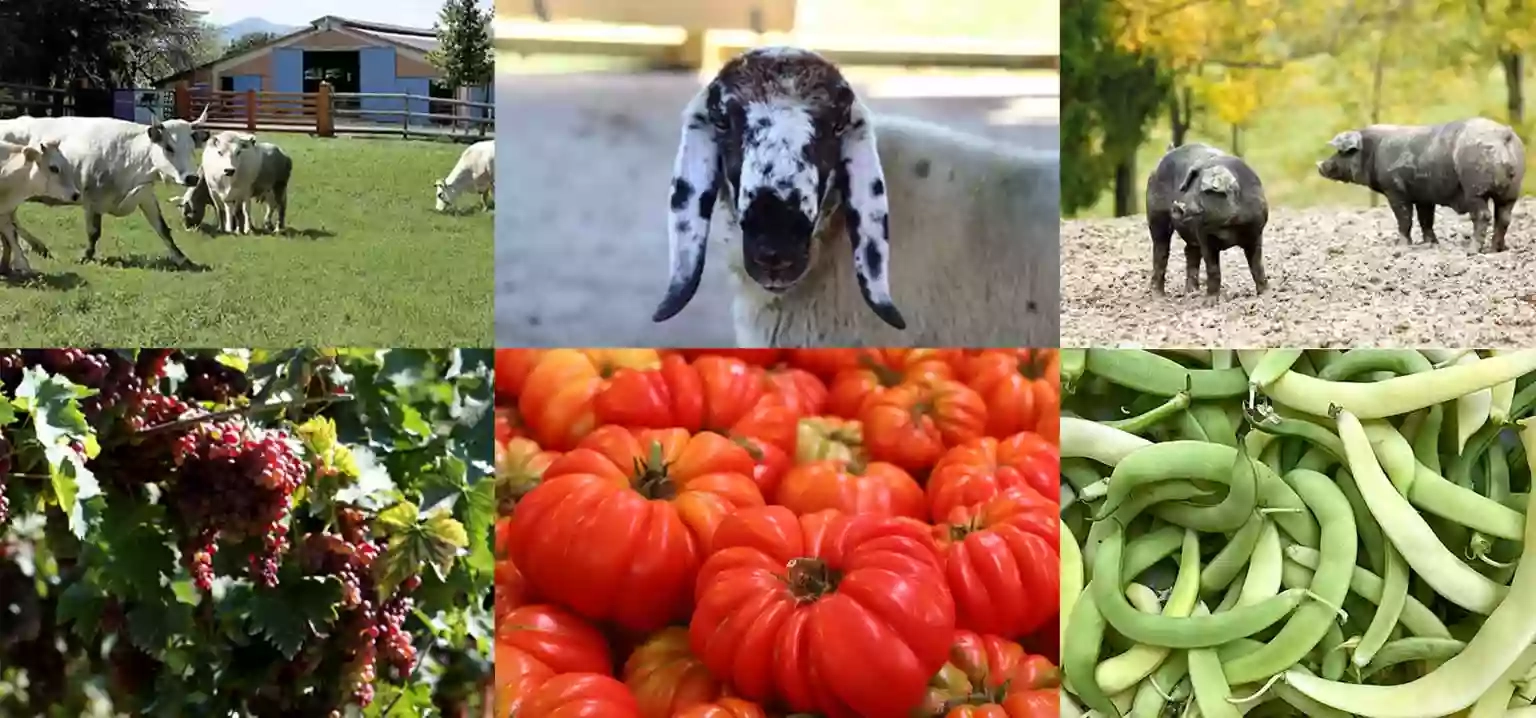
(780, 140)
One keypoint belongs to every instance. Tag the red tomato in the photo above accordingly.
(759, 357)
(912, 424)
(512, 367)
(711, 393)
(724, 708)
(517, 675)
(1020, 389)
(800, 389)
(557, 638)
(556, 401)
(520, 465)
(824, 438)
(980, 469)
(773, 420)
(508, 424)
(665, 676)
(825, 363)
(842, 615)
(619, 526)
(878, 488)
(771, 463)
(993, 676)
(1002, 563)
(580, 695)
(881, 370)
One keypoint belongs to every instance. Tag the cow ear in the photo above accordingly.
(33, 153)
(156, 134)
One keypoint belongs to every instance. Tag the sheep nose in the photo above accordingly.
(773, 259)
(189, 180)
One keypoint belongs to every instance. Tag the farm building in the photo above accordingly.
(352, 55)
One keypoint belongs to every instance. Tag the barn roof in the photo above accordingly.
(414, 40)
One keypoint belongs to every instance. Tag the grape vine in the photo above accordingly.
(291, 533)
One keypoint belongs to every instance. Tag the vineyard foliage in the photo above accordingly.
(269, 533)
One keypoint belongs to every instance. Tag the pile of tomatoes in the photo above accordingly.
(846, 533)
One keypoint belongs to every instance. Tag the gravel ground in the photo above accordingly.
(1337, 277)
(582, 178)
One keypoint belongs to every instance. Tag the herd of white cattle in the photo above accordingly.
(110, 167)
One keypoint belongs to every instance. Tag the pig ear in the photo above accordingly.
(695, 181)
(1219, 180)
(1189, 178)
(1346, 142)
(867, 215)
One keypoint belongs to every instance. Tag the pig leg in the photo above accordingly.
(1253, 249)
(1191, 266)
(1403, 210)
(1161, 227)
(1503, 213)
(1210, 253)
(1427, 222)
(1480, 217)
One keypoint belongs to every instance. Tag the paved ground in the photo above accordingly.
(1337, 277)
(582, 179)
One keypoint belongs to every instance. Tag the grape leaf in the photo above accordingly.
(82, 605)
(398, 519)
(7, 411)
(73, 485)
(54, 405)
(152, 623)
(435, 542)
(291, 613)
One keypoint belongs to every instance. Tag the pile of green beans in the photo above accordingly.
(1298, 532)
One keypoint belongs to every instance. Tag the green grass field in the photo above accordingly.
(366, 261)
(1290, 135)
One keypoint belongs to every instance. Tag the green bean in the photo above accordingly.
(1416, 617)
(1079, 473)
(1144, 421)
(1124, 671)
(1334, 658)
(1071, 573)
(1152, 694)
(1081, 438)
(1402, 394)
(1417, 648)
(1233, 511)
(1330, 583)
(1370, 531)
(1149, 548)
(1214, 422)
(1152, 374)
(1274, 364)
(1080, 651)
(1212, 692)
(1426, 445)
(1263, 579)
(1360, 361)
(1232, 557)
(1394, 594)
(1191, 632)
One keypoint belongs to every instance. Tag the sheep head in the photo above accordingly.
(778, 130)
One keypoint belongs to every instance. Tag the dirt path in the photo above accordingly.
(1337, 278)
(583, 165)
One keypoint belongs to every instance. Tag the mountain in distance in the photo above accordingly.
(253, 24)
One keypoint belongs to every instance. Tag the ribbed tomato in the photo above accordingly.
(912, 424)
(881, 370)
(823, 438)
(876, 488)
(512, 367)
(724, 708)
(847, 616)
(759, 357)
(801, 390)
(556, 400)
(1002, 563)
(667, 678)
(580, 695)
(980, 469)
(825, 363)
(710, 393)
(619, 526)
(1020, 389)
(517, 675)
(771, 463)
(557, 638)
(993, 677)
(508, 424)
(520, 465)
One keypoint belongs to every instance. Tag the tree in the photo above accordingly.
(463, 54)
(249, 41)
(1110, 96)
(109, 43)
(254, 533)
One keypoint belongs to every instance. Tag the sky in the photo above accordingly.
(414, 13)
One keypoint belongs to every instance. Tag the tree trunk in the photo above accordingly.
(1125, 186)
(1179, 115)
(1514, 72)
(1237, 140)
(1378, 71)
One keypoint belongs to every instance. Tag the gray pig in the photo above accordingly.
(1214, 201)
(1462, 165)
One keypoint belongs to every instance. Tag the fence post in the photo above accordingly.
(250, 110)
(183, 101)
(324, 123)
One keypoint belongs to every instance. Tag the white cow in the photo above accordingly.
(476, 170)
(227, 163)
(117, 164)
(230, 165)
(28, 171)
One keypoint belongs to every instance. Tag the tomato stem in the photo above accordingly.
(811, 578)
(650, 475)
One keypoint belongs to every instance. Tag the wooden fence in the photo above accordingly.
(328, 113)
(17, 100)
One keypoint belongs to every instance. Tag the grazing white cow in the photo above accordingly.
(28, 171)
(476, 170)
(237, 170)
(117, 163)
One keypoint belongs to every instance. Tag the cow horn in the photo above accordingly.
(201, 118)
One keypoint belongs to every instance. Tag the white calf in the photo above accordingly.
(230, 165)
(476, 170)
(27, 171)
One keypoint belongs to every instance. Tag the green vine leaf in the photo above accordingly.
(289, 616)
(435, 542)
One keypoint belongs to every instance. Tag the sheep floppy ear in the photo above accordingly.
(867, 215)
(695, 174)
